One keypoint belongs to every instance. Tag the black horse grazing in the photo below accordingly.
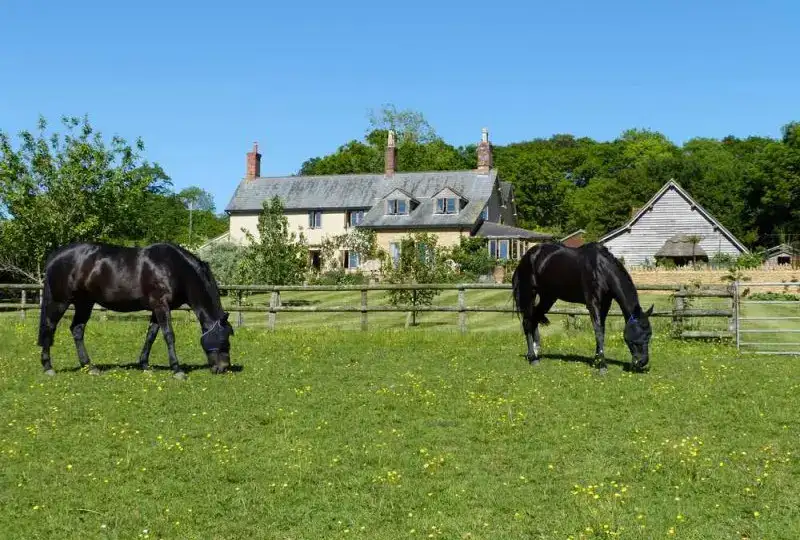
(588, 275)
(157, 278)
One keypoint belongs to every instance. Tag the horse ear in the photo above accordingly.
(649, 310)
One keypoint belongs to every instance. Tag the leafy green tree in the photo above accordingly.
(421, 261)
(472, 256)
(198, 198)
(276, 256)
(58, 189)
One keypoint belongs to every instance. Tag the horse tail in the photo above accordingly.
(47, 297)
(523, 283)
(522, 286)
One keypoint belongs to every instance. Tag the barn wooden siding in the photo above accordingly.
(671, 214)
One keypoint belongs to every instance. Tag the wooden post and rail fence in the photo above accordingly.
(680, 313)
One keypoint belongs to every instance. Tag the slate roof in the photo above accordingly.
(474, 187)
(307, 192)
(368, 190)
(490, 229)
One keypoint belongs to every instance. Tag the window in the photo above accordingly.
(351, 259)
(446, 205)
(485, 213)
(396, 206)
(498, 249)
(355, 217)
(315, 219)
(394, 251)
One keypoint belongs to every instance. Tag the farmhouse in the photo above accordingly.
(664, 225)
(449, 204)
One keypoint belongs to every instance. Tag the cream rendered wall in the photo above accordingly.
(333, 223)
(446, 238)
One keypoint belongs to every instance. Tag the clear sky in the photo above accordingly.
(200, 84)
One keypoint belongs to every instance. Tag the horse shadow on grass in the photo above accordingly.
(588, 360)
(134, 366)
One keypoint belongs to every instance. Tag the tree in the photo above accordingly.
(56, 189)
(276, 256)
(421, 261)
(198, 198)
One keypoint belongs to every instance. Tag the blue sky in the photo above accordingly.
(200, 84)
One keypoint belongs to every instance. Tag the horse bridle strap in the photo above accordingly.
(216, 323)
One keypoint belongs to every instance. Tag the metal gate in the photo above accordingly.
(766, 321)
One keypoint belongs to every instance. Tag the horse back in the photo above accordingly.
(559, 271)
(116, 277)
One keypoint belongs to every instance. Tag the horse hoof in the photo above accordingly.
(180, 375)
(50, 372)
(94, 371)
(534, 361)
(602, 371)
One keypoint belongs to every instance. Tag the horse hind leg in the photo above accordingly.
(83, 310)
(52, 312)
(152, 331)
(531, 324)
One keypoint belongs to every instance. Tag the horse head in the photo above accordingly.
(637, 335)
(216, 343)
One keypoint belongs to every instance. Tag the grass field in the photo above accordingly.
(395, 434)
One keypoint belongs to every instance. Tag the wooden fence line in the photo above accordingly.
(679, 312)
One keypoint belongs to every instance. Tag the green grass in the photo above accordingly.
(397, 434)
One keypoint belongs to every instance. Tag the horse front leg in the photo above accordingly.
(598, 314)
(152, 332)
(164, 322)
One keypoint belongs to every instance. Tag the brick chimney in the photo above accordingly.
(484, 153)
(253, 163)
(390, 161)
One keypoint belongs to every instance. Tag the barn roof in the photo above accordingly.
(679, 245)
(673, 185)
(782, 248)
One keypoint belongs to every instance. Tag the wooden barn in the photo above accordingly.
(653, 228)
(782, 255)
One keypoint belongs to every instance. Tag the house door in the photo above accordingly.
(315, 259)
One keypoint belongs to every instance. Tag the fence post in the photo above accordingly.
(274, 301)
(22, 311)
(462, 314)
(239, 314)
(677, 310)
(735, 306)
(364, 310)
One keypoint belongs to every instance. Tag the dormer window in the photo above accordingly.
(446, 205)
(397, 207)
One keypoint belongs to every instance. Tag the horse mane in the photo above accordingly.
(622, 272)
(204, 272)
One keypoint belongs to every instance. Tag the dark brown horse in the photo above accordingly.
(158, 278)
(588, 275)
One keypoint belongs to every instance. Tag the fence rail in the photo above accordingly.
(679, 313)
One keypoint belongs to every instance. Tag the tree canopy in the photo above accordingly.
(563, 183)
(57, 188)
